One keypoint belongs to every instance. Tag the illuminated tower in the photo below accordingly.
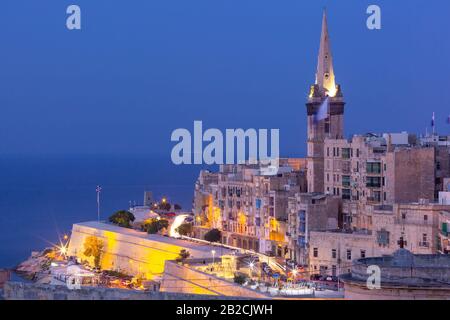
(333, 125)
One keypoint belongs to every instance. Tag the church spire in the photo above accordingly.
(325, 73)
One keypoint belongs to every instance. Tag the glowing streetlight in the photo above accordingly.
(63, 250)
(213, 254)
(164, 200)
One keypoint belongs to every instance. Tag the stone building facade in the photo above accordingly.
(247, 205)
(309, 212)
(417, 226)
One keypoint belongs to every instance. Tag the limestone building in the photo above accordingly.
(247, 205)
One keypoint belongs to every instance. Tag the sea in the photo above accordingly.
(42, 196)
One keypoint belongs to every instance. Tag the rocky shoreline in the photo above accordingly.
(37, 267)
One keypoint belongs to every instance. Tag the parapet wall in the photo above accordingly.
(30, 291)
(183, 279)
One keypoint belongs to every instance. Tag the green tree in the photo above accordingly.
(185, 229)
(239, 278)
(156, 225)
(177, 206)
(213, 235)
(165, 206)
(122, 218)
(184, 254)
(93, 248)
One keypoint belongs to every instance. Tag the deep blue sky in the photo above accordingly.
(141, 68)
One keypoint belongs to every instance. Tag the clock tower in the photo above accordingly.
(325, 93)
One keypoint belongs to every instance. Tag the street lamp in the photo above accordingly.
(294, 274)
(213, 254)
(251, 266)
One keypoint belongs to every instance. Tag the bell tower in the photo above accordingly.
(325, 93)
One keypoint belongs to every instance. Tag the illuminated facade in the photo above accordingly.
(249, 207)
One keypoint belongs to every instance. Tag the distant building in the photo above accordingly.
(404, 276)
(148, 198)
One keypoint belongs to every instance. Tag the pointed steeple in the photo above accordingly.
(325, 74)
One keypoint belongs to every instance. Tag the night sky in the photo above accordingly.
(140, 69)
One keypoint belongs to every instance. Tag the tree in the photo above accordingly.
(165, 206)
(156, 225)
(184, 254)
(239, 278)
(185, 229)
(177, 206)
(93, 248)
(122, 218)
(213, 235)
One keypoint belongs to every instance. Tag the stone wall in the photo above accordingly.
(410, 175)
(132, 252)
(30, 291)
(5, 275)
(183, 279)
(361, 292)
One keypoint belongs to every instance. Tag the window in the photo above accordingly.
(363, 253)
(333, 253)
(425, 218)
(373, 167)
(383, 237)
(349, 254)
(328, 151)
(315, 252)
(346, 181)
(424, 240)
(357, 153)
(377, 196)
(373, 182)
(346, 194)
(346, 153)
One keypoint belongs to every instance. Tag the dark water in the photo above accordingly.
(41, 197)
